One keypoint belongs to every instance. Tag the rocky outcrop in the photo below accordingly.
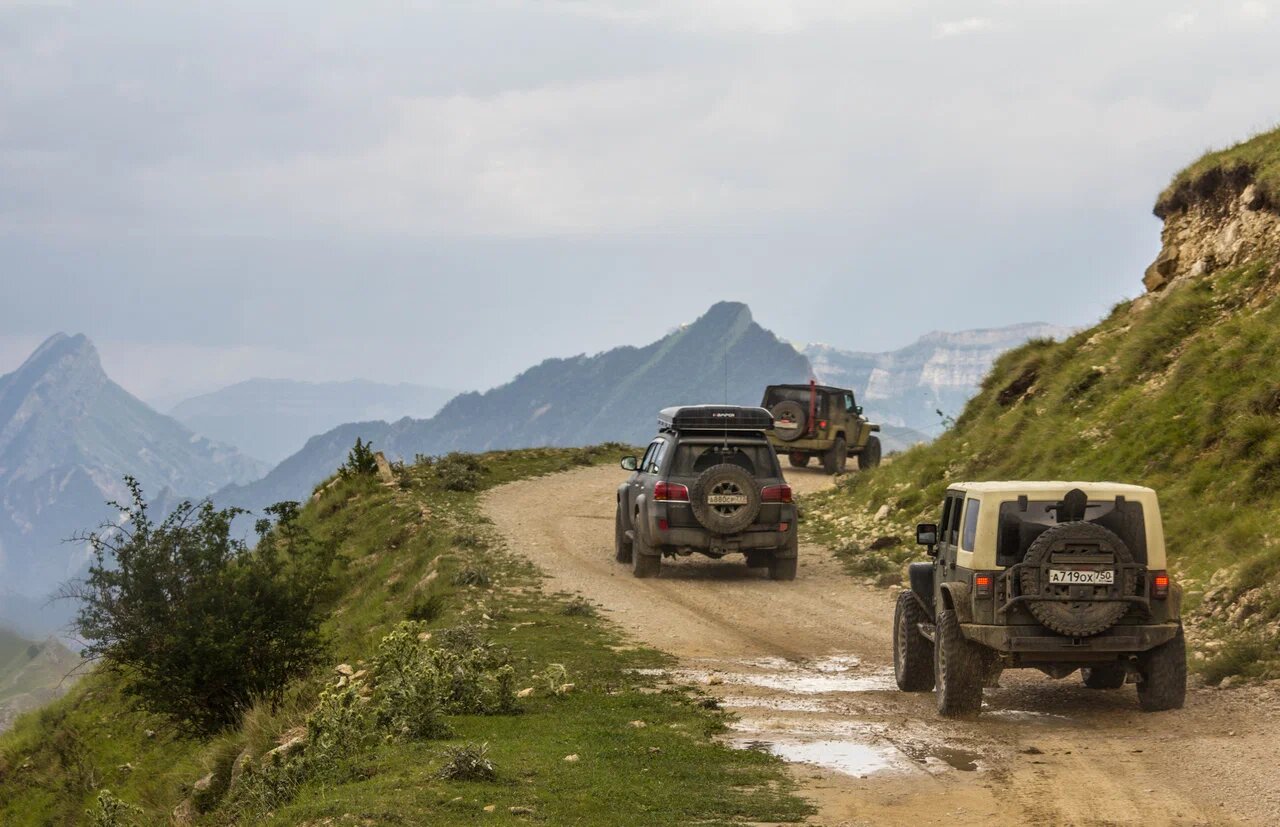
(1219, 222)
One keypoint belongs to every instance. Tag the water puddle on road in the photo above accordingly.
(933, 754)
(846, 757)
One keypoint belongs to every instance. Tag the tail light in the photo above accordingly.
(822, 424)
(983, 585)
(776, 494)
(663, 525)
(670, 492)
(1159, 584)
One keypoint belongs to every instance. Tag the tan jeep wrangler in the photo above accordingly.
(821, 421)
(1055, 576)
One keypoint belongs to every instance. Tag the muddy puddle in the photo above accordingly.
(832, 712)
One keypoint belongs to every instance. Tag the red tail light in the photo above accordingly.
(983, 585)
(776, 494)
(822, 424)
(670, 492)
(1159, 584)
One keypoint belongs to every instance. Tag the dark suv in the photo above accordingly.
(709, 482)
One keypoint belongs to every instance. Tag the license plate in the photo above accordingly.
(785, 424)
(1082, 577)
(726, 499)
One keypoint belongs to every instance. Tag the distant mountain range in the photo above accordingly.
(68, 435)
(31, 674)
(723, 356)
(272, 418)
(940, 371)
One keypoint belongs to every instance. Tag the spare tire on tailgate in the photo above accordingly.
(725, 499)
(790, 420)
(1078, 547)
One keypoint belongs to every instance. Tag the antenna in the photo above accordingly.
(726, 398)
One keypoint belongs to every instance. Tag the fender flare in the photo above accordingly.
(920, 579)
(956, 596)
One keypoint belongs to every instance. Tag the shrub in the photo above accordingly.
(109, 811)
(471, 576)
(428, 607)
(469, 762)
(198, 624)
(578, 607)
(360, 460)
(459, 472)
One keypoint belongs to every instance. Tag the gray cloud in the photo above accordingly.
(272, 185)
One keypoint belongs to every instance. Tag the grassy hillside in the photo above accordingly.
(417, 549)
(31, 674)
(1182, 395)
(1256, 160)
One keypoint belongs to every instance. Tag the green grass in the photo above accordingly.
(1183, 396)
(404, 544)
(1256, 160)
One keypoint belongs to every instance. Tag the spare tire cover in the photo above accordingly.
(1083, 615)
(790, 420)
(725, 499)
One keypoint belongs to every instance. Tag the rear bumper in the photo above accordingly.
(1037, 640)
(698, 540)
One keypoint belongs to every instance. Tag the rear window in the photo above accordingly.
(1021, 522)
(757, 460)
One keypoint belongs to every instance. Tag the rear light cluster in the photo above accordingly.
(983, 585)
(1159, 584)
(776, 494)
(822, 425)
(670, 492)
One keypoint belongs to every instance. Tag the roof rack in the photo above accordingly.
(717, 418)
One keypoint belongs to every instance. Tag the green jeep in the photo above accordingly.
(821, 421)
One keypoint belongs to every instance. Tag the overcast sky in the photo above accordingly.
(447, 193)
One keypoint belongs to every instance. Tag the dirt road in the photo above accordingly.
(807, 667)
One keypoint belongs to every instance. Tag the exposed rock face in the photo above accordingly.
(1227, 225)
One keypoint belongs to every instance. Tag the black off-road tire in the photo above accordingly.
(798, 459)
(724, 479)
(795, 412)
(784, 568)
(869, 457)
(1082, 618)
(621, 545)
(1162, 675)
(836, 459)
(912, 652)
(643, 563)
(1107, 676)
(958, 669)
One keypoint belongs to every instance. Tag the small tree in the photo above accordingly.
(199, 624)
(360, 460)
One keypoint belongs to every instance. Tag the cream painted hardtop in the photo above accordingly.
(992, 494)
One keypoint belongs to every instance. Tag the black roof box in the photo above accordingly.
(714, 418)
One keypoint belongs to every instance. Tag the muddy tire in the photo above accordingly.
(621, 545)
(721, 482)
(790, 412)
(1108, 676)
(643, 562)
(869, 457)
(912, 652)
(836, 459)
(799, 459)
(1083, 617)
(1162, 676)
(957, 669)
(783, 568)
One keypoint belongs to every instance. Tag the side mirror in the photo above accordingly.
(927, 534)
(859, 410)
(630, 463)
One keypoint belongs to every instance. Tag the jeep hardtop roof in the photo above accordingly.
(1052, 488)
(806, 386)
(718, 418)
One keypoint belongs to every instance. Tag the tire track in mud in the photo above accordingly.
(807, 668)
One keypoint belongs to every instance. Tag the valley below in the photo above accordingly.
(806, 668)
